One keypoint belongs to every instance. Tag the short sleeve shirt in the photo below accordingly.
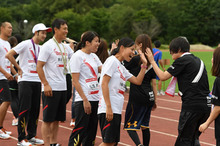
(157, 55)
(4, 62)
(194, 95)
(119, 75)
(27, 53)
(87, 65)
(54, 65)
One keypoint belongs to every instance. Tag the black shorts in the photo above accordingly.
(188, 128)
(54, 108)
(5, 94)
(110, 130)
(137, 116)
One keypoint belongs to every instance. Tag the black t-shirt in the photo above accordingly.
(194, 95)
(140, 94)
(216, 102)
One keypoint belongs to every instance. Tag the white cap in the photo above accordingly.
(41, 26)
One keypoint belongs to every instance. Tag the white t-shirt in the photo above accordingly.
(119, 75)
(87, 65)
(4, 62)
(27, 60)
(54, 66)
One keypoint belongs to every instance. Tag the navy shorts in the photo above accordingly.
(137, 116)
(5, 94)
(54, 108)
(110, 130)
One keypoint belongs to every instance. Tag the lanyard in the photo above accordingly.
(35, 54)
(63, 57)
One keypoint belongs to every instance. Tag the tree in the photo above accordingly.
(5, 15)
(98, 21)
(74, 22)
(146, 23)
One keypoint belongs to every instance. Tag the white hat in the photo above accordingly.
(41, 26)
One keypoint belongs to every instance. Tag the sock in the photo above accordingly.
(146, 136)
(134, 136)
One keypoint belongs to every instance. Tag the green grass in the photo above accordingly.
(204, 56)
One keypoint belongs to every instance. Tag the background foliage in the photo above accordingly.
(198, 20)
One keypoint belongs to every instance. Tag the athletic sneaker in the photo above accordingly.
(162, 92)
(24, 142)
(36, 141)
(15, 122)
(6, 131)
(3, 134)
(72, 123)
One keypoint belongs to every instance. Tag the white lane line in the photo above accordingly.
(167, 108)
(167, 100)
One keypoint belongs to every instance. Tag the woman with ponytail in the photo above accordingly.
(113, 78)
(85, 66)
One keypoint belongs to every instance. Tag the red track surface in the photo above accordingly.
(163, 126)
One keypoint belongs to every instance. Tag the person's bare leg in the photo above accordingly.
(46, 130)
(159, 85)
(54, 131)
(3, 110)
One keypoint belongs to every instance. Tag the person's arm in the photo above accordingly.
(13, 71)
(161, 64)
(40, 71)
(76, 84)
(6, 74)
(161, 74)
(10, 55)
(105, 91)
(214, 114)
(138, 80)
(154, 86)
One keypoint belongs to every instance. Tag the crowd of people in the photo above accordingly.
(96, 79)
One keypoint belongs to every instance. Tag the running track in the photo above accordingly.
(163, 125)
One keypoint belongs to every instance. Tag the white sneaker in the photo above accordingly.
(36, 141)
(3, 134)
(15, 122)
(158, 93)
(162, 92)
(24, 143)
(72, 124)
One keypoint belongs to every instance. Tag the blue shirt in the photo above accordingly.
(157, 55)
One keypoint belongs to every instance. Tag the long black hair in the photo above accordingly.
(126, 42)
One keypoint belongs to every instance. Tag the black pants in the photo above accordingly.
(29, 107)
(69, 87)
(188, 128)
(14, 102)
(86, 125)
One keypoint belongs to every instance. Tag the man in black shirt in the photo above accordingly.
(193, 87)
